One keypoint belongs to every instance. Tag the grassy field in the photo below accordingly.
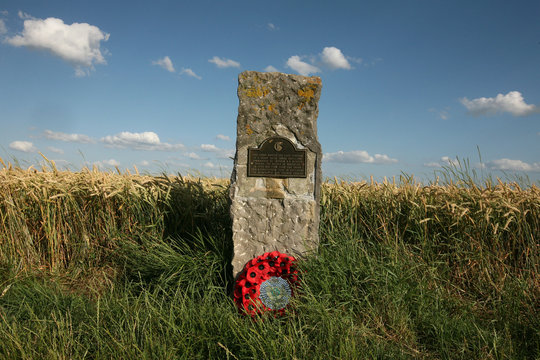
(97, 265)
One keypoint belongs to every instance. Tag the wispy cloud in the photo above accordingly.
(270, 68)
(24, 15)
(24, 146)
(165, 63)
(224, 63)
(432, 164)
(442, 114)
(3, 28)
(141, 141)
(55, 150)
(512, 103)
(56, 135)
(358, 156)
(78, 43)
(513, 165)
(444, 161)
(193, 156)
(190, 72)
(499, 164)
(223, 137)
(221, 153)
(209, 147)
(272, 27)
(105, 163)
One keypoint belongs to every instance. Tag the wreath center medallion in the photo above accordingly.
(267, 283)
(275, 293)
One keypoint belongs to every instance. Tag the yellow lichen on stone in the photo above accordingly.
(306, 93)
(257, 92)
(263, 107)
(272, 108)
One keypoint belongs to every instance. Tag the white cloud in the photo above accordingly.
(270, 68)
(56, 135)
(221, 153)
(480, 166)
(145, 163)
(383, 159)
(78, 43)
(104, 163)
(165, 63)
(193, 156)
(191, 73)
(24, 15)
(512, 103)
(111, 162)
(432, 164)
(55, 150)
(357, 156)
(141, 141)
(445, 161)
(334, 58)
(355, 60)
(272, 27)
(223, 137)
(513, 165)
(210, 147)
(24, 146)
(301, 67)
(224, 63)
(226, 154)
(3, 28)
(330, 58)
(80, 72)
(443, 114)
(210, 165)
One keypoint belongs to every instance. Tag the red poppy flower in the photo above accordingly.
(266, 284)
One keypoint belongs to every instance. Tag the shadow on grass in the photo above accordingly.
(195, 250)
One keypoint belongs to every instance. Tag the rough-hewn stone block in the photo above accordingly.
(275, 213)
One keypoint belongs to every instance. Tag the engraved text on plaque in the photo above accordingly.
(276, 157)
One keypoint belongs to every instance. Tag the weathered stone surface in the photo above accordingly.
(275, 213)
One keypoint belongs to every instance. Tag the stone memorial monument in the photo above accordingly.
(275, 183)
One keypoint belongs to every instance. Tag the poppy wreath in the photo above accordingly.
(266, 284)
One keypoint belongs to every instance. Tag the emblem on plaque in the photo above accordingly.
(277, 157)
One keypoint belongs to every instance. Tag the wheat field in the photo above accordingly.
(125, 265)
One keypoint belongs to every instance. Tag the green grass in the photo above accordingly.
(103, 266)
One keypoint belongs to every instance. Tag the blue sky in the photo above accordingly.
(408, 86)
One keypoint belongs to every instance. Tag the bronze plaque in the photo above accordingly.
(276, 157)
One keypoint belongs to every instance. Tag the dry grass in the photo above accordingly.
(483, 233)
(60, 220)
(403, 270)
